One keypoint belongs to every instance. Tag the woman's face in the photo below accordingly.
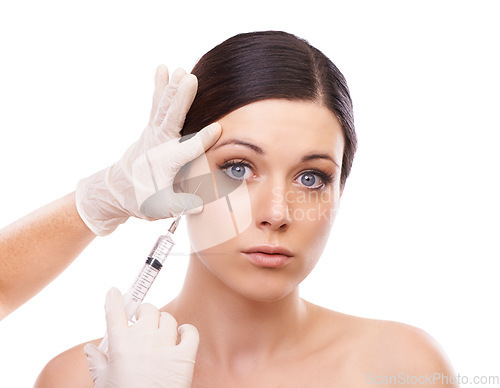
(276, 172)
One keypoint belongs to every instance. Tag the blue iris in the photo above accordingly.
(238, 171)
(308, 180)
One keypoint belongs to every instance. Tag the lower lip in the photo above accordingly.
(268, 260)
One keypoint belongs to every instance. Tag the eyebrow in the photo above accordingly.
(260, 151)
(257, 149)
(319, 156)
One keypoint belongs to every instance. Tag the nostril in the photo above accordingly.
(280, 224)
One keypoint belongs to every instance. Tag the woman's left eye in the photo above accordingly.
(239, 171)
(311, 180)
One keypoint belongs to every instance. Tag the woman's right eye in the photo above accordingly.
(237, 170)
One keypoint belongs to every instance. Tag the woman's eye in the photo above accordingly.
(311, 180)
(238, 171)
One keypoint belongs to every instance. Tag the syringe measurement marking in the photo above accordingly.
(142, 284)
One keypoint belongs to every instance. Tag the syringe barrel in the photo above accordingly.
(162, 248)
(134, 297)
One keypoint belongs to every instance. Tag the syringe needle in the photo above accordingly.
(174, 224)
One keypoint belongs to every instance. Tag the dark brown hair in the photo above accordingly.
(255, 66)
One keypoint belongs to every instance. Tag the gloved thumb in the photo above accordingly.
(97, 360)
(190, 338)
(166, 203)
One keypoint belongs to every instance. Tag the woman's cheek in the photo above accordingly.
(221, 219)
(315, 218)
(318, 208)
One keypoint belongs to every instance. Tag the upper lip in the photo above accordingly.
(270, 250)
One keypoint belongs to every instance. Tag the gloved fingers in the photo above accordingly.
(167, 95)
(168, 329)
(174, 119)
(161, 81)
(190, 338)
(192, 148)
(97, 360)
(166, 203)
(116, 316)
(148, 316)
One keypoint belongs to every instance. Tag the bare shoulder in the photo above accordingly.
(69, 370)
(405, 346)
(387, 352)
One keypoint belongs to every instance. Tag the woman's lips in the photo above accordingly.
(268, 256)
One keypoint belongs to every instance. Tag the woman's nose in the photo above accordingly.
(272, 208)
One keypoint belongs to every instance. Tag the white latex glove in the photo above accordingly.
(144, 354)
(140, 184)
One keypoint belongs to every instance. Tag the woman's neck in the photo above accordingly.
(232, 327)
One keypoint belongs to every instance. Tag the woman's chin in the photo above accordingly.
(268, 291)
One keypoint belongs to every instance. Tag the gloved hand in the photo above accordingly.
(144, 354)
(140, 184)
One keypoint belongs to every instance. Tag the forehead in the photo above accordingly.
(285, 126)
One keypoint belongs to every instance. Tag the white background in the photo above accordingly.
(416, 239)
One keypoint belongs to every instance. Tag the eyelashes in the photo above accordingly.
(310, 179)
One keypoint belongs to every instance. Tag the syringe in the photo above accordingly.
(134, 297)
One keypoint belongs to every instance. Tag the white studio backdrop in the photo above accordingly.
(416, 238)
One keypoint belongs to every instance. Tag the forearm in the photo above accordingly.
(37, 248)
